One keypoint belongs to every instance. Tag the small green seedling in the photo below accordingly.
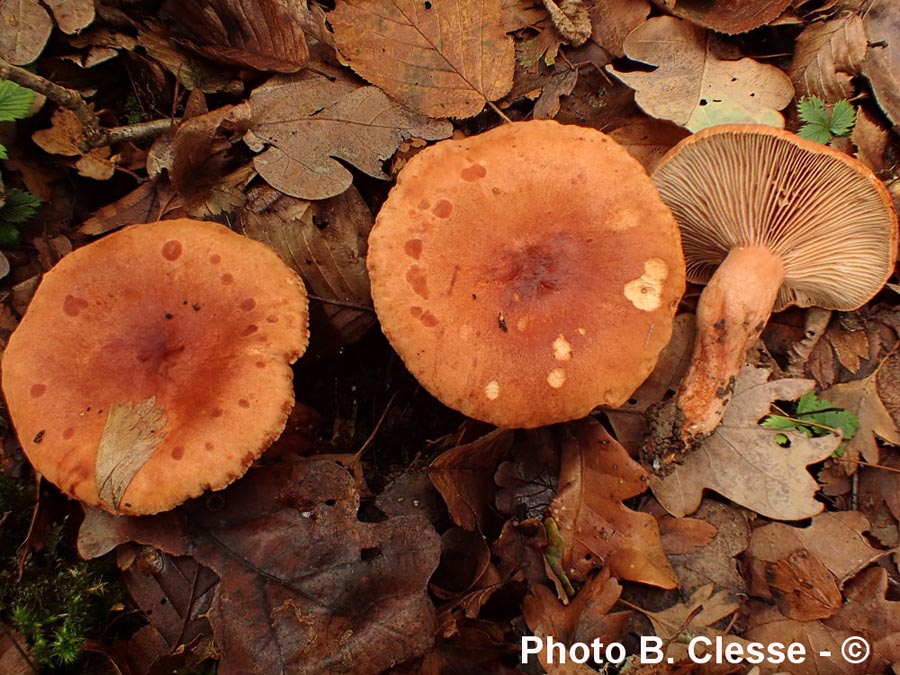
(822, 123)
(815, 417)
(17, 207)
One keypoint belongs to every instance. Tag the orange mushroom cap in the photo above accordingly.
(154, 364)
(528, 274)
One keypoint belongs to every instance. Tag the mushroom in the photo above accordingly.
(768, 220)
(155, 363)
(527, 274)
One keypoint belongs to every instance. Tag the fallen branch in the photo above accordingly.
(95, 134)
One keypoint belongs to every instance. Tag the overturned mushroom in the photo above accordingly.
(155, 363)
(528, 274)
(768, 220)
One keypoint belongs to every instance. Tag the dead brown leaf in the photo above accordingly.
(647, 140)
(261, 35)
(862, 398)
(147, 203)
(14, 657)
(613, 20)
(72, 16)
(443, 59)
(728, 16)
(879, 498)
(742, 461)
(827, 56)
(63, 137)
(586, 618)
(834, 539)
(299, 573)
(802, 588)
(692, 86)
(325, 242)
(596, 475)
(192, 72)
(173, 594)
(867, 612)
(882, 64)
(528, 482)
(26, 29)
(465, 478)
(716, 563)
(571, 20)
(309, 122)
(871, 141)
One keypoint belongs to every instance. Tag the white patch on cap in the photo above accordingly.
(492, 390)
(556, 378)
(645, 292)
(562, 350)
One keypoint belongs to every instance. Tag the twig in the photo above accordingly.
(340, 303)
(95, 135)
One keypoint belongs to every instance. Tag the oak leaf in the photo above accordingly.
(827, 56)
(744, 462)
(586, 618)
(310, 122)
(692, 86)
(596, 475)
(861, 397)
(446, 58)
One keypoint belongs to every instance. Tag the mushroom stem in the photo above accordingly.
(732, 312)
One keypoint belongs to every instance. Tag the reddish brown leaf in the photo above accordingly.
(613, 20)
(803, 589)
(444, 59)
(261, 34)
(882, 65)
(728, 16)
(827, 56)
(26, 29)
(325, 242)
(299, 573)
(72, 16)
(147, 203)
(465, 478)
(598, 529)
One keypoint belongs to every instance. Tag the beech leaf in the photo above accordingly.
(692, 86)
(744, 462)
(827, 57)
(310, 122)
(728, 16)
(446, 58)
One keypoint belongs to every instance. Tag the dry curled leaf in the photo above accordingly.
(63, 137)
(692, 86)
(26, 29)
(444, 59)
(728, 16)
(743, 462)
(827, 57)
(262, 34)
(596, 475)
(325, 242)
(308, 123)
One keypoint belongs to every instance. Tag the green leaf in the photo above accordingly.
(15, 101)
(812, 110)
(779, 422)
(843, 117)
(815, 132)
(3, 154)
(19, 208)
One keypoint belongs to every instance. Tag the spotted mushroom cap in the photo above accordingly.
(154, 364)
(528, 274)
(826, 214)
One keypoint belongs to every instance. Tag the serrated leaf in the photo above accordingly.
(446, 58)
(18, 208)
(744, 462)
(843, 117)
(15, 101)
(812, 110)
(311, 123)
(779, 422)
(815, 132)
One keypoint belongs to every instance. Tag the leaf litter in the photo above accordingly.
(444, 542)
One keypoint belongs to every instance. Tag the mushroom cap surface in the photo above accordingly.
(154, 364)
(528, 274)
(824, 213)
